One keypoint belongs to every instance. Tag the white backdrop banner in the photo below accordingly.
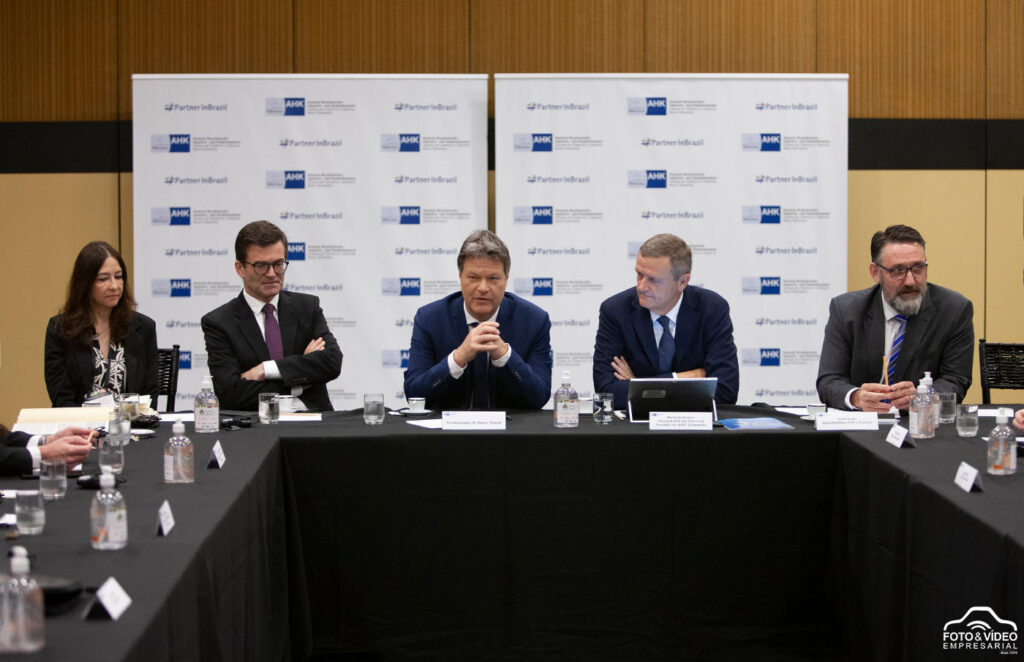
(749, 169)
(376, 180)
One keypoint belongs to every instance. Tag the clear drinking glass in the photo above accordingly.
(30, 512)
(119, 428)
(270, 408)
(947, 407)
(967, 420)
(373, 408)
(53, 478)
(604, 411)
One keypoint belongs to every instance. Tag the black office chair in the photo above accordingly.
(1002, 366)
(167, 374)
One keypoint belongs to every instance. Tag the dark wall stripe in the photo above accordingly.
(875, 144)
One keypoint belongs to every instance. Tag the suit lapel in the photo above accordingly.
(644, 330)
(249, 329)
(686, 323)
(873, 333)
(288, 320)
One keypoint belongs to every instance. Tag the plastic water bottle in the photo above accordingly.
(21, 608)
(936, 402)
(922, 425)
(109, 515)
(567, 404)
(207, 408)
(1002, 446)
(179, 456)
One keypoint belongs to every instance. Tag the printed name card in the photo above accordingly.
(967, 478)
(847, 420)
(165, 519)
(680, 420)
(110, 602)
(898, 437)
(217, 457)
(472, 420)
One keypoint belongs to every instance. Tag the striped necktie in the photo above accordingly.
(897, 343)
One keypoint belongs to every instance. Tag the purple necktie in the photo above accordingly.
(272, 332)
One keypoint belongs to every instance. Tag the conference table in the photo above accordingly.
(600, 542)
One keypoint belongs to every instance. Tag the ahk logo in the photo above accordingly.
(771, 285)
(294, 106)
(409, 287)
(181, 216)
(180, 142)
(409, 215)
(771, 356)
(181, 287)
(185, 360)
(542, 142)
(543, 215)
(771, 214)
(657, 179)
(296, 250)
(408, 142)
(771, 142)
(295, 179)
(404, 358)
(657, 105)
(543, 287)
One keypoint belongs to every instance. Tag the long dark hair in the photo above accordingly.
(76, 315)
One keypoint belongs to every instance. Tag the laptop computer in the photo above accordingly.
(667, 394)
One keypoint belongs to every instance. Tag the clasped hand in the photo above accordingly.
(869, 397)
(484, 338)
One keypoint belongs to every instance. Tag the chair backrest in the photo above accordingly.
(1002, 366)
(167, 374)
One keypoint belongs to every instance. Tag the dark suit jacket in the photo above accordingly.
(69, 367)
(439, 327)
(703, 340)
(940, 338)
(14, 458)
(234, 344)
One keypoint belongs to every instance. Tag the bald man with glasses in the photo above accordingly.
(269, 340)
(880, 341)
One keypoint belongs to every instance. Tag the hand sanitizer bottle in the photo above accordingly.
(24, 623)
(207, 408)
(567, 404)
(179, 456)
(109, 515)
(1002, 446)
(921, 424)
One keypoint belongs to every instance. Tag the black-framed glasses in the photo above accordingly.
(899, 273)
(263, 267)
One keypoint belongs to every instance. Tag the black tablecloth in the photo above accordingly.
(226, 584)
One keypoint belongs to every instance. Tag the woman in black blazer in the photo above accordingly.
(99, 342)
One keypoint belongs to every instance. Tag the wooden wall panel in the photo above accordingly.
(58, 60)
(53, 216)
(201, 36)
(947, 207)
(906, 59)
(750, 36)
(384, 36)
(1005, 57)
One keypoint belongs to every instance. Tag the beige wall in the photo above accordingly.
(72, 60)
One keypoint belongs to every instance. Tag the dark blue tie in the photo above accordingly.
(666, 346)
(897, 344)
(481, 390)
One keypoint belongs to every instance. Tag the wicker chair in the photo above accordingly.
(1002, 366)
(167, 374)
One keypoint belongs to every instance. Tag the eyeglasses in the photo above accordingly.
(262, 268)
(899, 273)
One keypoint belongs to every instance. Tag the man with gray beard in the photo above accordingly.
(880, 341)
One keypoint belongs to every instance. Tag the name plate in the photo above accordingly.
(898, 436)
(680, 420)
(472, 420)
(846, 420)
(110, 601)
(967, 478)
(165, 519)
(217, 457)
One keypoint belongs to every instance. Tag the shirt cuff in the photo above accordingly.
(270, 370)
(453, 367)
(33, 449)
(849, 402)
(503, 359)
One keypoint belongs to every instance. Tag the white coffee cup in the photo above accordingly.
(286, 403)
(417, 405)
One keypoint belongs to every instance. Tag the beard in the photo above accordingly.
(910, 306)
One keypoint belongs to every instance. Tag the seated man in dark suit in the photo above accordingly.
(21, 453)
(269, 340)
(481, 348)
(664, 327)
(914, 325)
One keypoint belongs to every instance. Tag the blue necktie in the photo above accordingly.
(666, 346)
(481, 390)
(897, 343)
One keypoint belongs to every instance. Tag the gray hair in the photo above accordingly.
(484, 243)
(672, 247)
